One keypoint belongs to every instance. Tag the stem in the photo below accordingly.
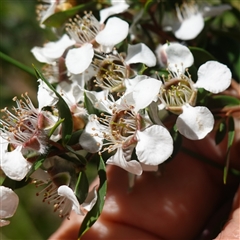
(233, 171)
(17, 64)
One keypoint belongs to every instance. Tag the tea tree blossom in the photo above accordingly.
(189, 20)
(126, 129)
(24, 130)
(178, 95)
(59, 179)
(89, 34)
(9, 203)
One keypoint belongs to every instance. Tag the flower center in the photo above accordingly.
(22, 128)
(111, 74)
(83, 30)
(176, 92)
(186, 10)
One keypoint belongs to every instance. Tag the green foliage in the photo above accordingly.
(95, 212)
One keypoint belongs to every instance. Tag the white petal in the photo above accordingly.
(52, 50)
(145, 92)
(189, 28)
(195, 122)
(14, 165)
(67, 192)
(90, 200)
(130, 83)
(179, 55)
(9, 203)
(119, 160)
(56, 49)
(79, 59)
(155, 145)
(45, 96)
(90, 139)
(140, 53)
(115, 31)
(214, 77)
(38, 54)
(115, 9)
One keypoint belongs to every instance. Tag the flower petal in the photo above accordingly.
(195, 122)
(90, 200)
(145, 92)
(140, 53)
(79, 59)
(45, 96)
(90, 139)
(119, 160)
(155, 145)
(189, 28)
(52, 50)
(177, 54)
(115, 9)
(67, 192)
(214, 77)
(9, 203)
(114, 32)
(14, 165)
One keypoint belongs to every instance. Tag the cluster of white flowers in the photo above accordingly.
(89, 62)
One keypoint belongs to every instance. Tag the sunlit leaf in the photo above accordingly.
(95, 212)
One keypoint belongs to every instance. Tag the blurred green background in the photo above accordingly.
(19, 32)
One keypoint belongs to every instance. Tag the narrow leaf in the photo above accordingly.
(95, 212)
(221, 132)
(82, 186)
(231, 134)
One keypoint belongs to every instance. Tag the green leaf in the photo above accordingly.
(200, 56)
(95, 212)
(59, 18)
(224, 100)
(231, 134)
(64, 111)
(81, 158)
(55, 127)
(89, 106)
(221, 132)
(37, 164)
(82, 186)
(10, 183)
(17, 64)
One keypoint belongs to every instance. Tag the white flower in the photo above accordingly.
(179, 93)
(117, 7)
(126, 129)
(190, 19)
(69, 201)
(52, 51)
(25, 131)
(90, 35)
(9, 202)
